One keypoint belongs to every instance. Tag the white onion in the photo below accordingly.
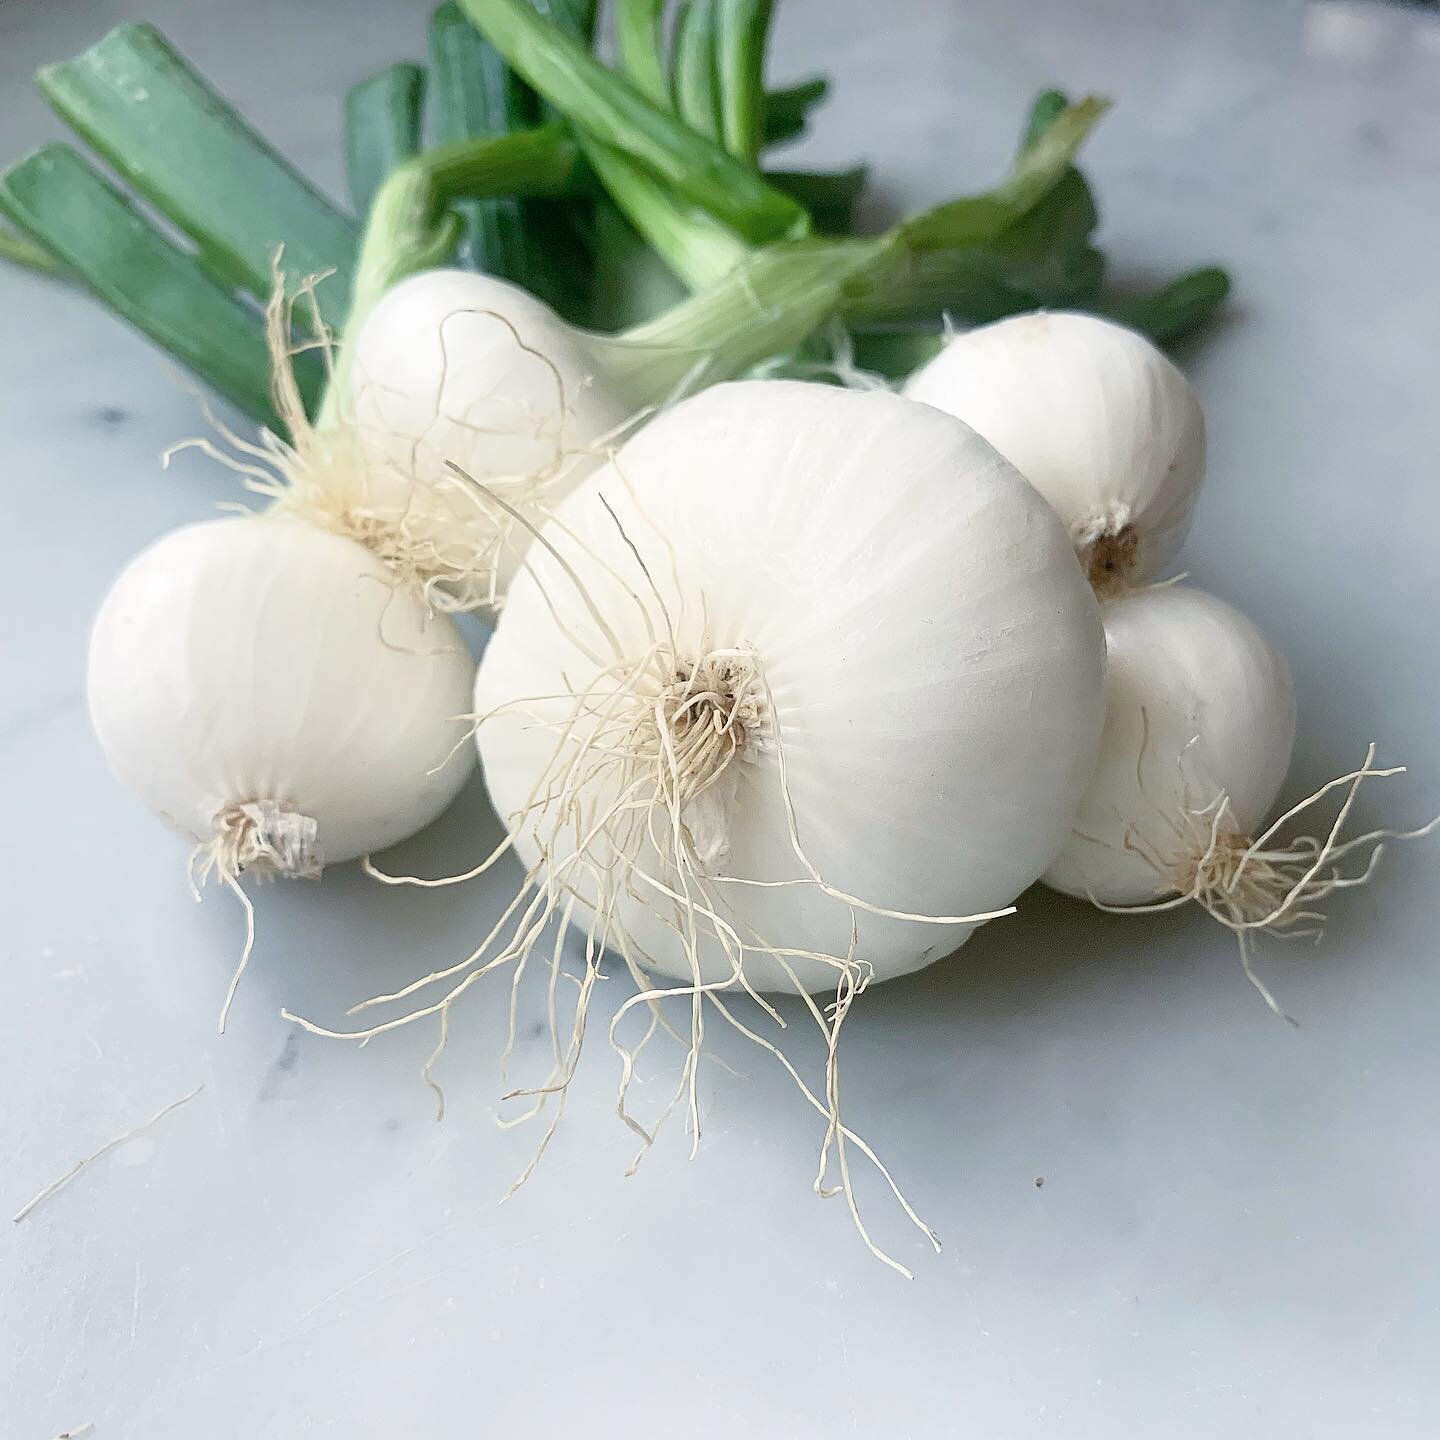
(1199, 728)
(897, 615)
(1198, 706)
(454, 368)
(264, 687)
(1096, 418)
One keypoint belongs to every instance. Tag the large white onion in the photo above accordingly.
(879, 601)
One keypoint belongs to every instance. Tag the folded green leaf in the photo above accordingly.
(137, 103)
(785, 113)
(1177, 309)
(979, 219)
(65, 206)
(1046, 108)
(829, 195)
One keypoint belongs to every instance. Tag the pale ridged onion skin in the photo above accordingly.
(454, 366)
(1096, 418)
(933, 650)
(262, 660)
(1195, 686)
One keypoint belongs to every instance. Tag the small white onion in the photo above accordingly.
(264, 687)
(452, 367)
(1099, 421)
(1199, 710)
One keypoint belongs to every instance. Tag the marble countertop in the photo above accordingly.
(1235, 1234)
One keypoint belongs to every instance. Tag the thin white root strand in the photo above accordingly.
(55, 1186)
(1264, 885)
(258, 838)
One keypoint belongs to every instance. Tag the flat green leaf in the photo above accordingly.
(137, 103)
(382, 128)
(64, 205)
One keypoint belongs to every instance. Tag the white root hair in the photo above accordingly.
(629, 809)
(1261, 885)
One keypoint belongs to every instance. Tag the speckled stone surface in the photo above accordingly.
(1236, 1231)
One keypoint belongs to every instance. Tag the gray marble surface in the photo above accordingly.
(1236, 1232)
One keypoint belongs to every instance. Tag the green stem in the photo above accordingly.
(744, 30)
(614, 112)
(698, 249)
(410, 226)
(637, 42)
(765, 307)
(474, 94)
(779, 295)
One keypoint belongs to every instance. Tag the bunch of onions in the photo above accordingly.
(789, 696)
(1200, 709)
(461, 411)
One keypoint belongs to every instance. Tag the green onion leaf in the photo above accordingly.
(979, 219)
(1046, 108)
(743, 31)
(64, 205)
(786, 112)
(1177, 309)
(382, 128)
(615, 113)
(693, 74)
(829, 195)
(137, 103)
(637, 42)
(17, 250)
(473, 93)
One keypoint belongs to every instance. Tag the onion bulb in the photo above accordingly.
(1199, 729)
(791, 695)
(452, 367)
(1098, 420)
(264, 687)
